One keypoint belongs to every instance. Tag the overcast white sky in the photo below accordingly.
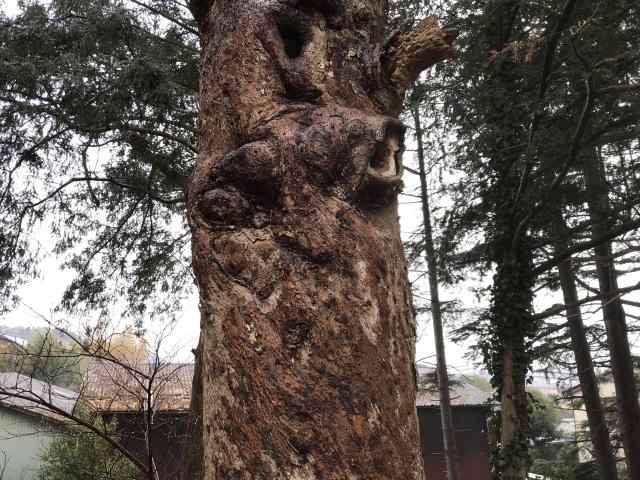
(10, 6)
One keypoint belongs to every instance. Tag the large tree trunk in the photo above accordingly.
(307, 324)
(598, 429)
(510, 338)
(446, 414)
(613, 313)
(507, 343)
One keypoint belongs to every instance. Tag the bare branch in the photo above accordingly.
(43, 402)
(555, 310)
(581, 247)
(125, 127)
(171, 18)
(633, 87)
(56, 191)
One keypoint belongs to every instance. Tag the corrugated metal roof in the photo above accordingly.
(116, 387)
(27, 393)
(462, 395)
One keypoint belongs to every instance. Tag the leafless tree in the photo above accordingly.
(116, 374)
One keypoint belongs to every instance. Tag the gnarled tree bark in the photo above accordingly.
(307, 325)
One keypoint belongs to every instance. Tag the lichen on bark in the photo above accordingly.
(308, 330)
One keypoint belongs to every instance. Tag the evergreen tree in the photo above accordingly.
(49, 359)
(532, 87)
(97, 141)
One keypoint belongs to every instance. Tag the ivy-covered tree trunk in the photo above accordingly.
(613, 313)
(511, 327)
(307, 323)
(598, 429)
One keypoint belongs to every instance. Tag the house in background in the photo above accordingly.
(126, 391)
(607, 390)
(116, 392)
(26, 428)
(471, 408)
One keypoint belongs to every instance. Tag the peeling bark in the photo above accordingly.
(413, 52)
(307, 323)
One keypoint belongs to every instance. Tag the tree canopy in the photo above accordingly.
(97, 122)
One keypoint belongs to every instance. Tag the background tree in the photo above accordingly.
(47, 358)
(79, 455)
(565, 465)
(97, 113)
(478, 381)
(507, 116)
(126, 346)
(115, 378)
(446, 413)
(545, 418)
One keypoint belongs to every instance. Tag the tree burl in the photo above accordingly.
(308, 329)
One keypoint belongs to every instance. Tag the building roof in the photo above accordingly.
(462, 395)
(29, 394)
(7, 337)
(116, 387)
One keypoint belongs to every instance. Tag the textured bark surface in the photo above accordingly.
(307, 323)
(192, 467)
(510, 400)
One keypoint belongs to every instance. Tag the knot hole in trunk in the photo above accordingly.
(383, 178)
(387, 156)
(293, 39)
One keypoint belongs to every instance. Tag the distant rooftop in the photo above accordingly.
(26, 393)
(462, 395)
(7, 337)
(113, 387)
